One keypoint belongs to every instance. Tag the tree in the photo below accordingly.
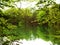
(55, 22)
(46, 3)
(7, 3)
(49, 20)
(14, 23)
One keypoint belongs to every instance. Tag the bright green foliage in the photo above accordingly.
(55, 22)
(22, 23)
(40, 15)
(51, 23)
(14, 23)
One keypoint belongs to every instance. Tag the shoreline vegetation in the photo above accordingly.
(29, 23)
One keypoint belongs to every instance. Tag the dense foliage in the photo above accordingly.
(16, 23)
(51, 22)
